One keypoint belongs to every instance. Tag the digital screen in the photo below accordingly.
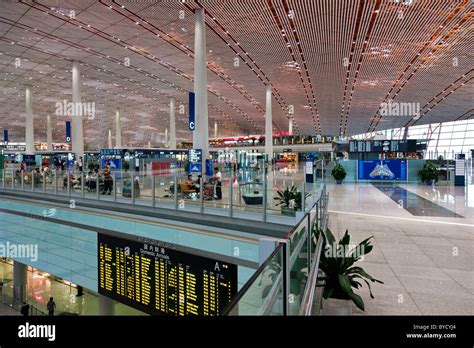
(153, 277)
(361, 146)
(382, 170)
(353, 146)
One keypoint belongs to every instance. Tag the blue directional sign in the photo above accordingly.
(68, 131)
(192, 121)
(195, 168)
(5, 136)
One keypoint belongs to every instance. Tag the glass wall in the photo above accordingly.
(443, 139)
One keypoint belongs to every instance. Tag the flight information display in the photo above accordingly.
(382, 146)
(159, 280)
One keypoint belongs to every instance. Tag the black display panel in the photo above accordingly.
(162, 281)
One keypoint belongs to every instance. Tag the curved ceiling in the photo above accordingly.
(331, 63)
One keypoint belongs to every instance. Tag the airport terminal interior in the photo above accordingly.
(234, 158)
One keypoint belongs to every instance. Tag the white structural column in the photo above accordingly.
(49, 133)
(172, 143)
(29, 132)
(290, 126)
(77, 128)
(215, 129)
(118, 130)
(109, 140)
(166, 138)
(268, 124)
(201, 132)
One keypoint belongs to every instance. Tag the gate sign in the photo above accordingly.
(5, 136)
(192, 121)
(68, 131)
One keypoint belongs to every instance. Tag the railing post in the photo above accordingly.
(152, 190)
(303, 197)
(114, 186)
(309, 245)
(55, 181)
(133, 187)
(22, 172)
(264, 200)
(175, 192)
(201, 196)
(68, 181)
(286, 277)
(231, 194)
(82, 184)
(97, 182)
(3, 177)
(44, 181)
(32, 181)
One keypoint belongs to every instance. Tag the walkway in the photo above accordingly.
(423, 256)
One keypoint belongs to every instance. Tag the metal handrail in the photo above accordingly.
(230, 306)
(16, 305)
(308, 296)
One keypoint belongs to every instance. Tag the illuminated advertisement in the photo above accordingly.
(382, 170)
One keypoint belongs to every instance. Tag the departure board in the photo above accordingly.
(159, 280)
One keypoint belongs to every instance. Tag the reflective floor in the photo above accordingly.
(40, 287)
(424, 254)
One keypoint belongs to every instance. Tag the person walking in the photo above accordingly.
(51, 306)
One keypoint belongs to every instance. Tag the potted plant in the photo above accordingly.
(289, 200)
(429, 173)
(338, 173)
(341, 277)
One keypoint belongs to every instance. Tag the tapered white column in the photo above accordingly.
(215, 129)
(29, 128)
(268, 124)
(109, 140)
(77, 128)
(166, 138)
(49, 133)
(290, 126)
(118, 130)
(149, 144)
(172, 143)
(201, 132)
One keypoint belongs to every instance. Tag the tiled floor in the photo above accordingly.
(426, 262)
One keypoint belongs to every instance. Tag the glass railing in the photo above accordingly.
(239, 194)
(285, 281)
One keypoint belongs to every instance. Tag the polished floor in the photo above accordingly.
(40, 287)
(425, 259)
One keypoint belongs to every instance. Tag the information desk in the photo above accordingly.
(159, 280)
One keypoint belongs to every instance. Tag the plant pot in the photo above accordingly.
(253, 200)
(288, 211)
(335, 306)
(339, 181)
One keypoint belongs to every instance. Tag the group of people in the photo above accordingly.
(211, 189)
(105, 178)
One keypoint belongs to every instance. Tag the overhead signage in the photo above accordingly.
(192, 120)
(68, 131)
(5, 136)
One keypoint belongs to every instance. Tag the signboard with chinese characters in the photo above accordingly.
(157, 279)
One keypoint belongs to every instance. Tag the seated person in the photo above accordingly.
(191, 182)
(186, 187)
